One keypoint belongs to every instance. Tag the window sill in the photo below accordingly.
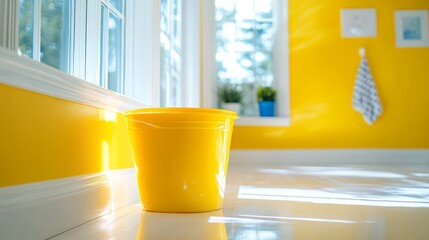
(263, 121)
(28, 74)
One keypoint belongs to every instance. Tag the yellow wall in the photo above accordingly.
(43, 138)
(323, 68)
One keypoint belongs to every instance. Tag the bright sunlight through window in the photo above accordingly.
(245, 37)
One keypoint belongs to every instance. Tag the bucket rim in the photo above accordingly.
(181, 110)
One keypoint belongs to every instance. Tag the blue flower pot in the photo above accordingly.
(266, 108)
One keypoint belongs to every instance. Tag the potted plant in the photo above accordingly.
(266, 101)
(230, 96)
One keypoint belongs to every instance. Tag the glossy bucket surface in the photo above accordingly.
(181, 157)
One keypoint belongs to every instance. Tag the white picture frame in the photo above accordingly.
(358, 22)
(411, 28)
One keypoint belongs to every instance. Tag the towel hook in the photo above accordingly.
(362, 51)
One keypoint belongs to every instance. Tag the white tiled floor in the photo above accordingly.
(290, 202)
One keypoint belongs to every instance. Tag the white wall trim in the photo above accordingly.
(331, 156)
(44, 209)
(28, 74)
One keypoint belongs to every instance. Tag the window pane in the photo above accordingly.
(225, 34)
(117, 4)
(249, 102)
(103, 46)
(175, 78)
(245, 31)
(164, 16)
(224, 10)
(177, 23)
(264, 68)
(264, 9)
(115, 54)
(244, 47)
(165, 71)
(244, 10)
(171, 35)
(26, 27)
(55, 33)
(245, 40)
(265, 31)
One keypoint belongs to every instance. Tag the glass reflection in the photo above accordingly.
(55, 37)
(26, 27)
(114, 78)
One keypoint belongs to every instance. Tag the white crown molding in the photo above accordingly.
(44, 209)
(331, 156)
(25, 73)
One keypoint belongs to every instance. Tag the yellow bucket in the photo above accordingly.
(181, 157)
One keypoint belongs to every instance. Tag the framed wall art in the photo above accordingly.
(358, 23)
(411, 28)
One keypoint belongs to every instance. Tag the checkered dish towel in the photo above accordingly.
(365, 96)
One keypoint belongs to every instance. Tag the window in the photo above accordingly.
(111, 47)
(171, 52)
(248, 49)
(180, 61)
(45, 31)
(244, 34)
(161, 52)
(54, 32)
(67, 35)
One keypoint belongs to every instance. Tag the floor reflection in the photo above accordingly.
(159, 226)
(273, 202)
(339, 185)
(390, 197)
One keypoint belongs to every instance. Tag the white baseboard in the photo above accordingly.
(331, 156)
(44, 209)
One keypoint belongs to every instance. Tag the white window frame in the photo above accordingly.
(28, 74)
(175, 50)
(38, 77)
(112, 10)
(37, 31)
(149, 70)
(280, 55)
(191, 53)
(78, 66)
(190, 73)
